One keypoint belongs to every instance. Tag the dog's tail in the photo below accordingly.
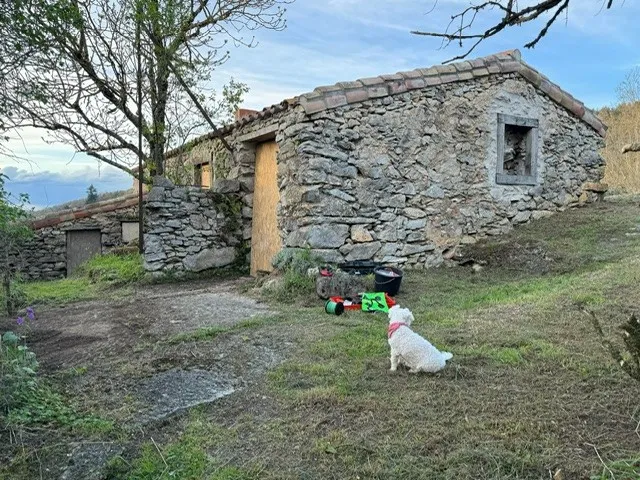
(447, 356)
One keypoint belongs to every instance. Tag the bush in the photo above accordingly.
(297, 260)
(24, 399)
(113, 269)
(294, 283)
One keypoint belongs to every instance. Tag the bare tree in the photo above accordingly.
(69, 67)
(461, 28)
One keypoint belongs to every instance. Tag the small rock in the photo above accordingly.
(360, 234)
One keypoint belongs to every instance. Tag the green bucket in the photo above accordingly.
(334, 308)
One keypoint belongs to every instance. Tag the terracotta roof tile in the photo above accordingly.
(343, 93)
(86, 211)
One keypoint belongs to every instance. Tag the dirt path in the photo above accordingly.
(116, 358)
(73, 335)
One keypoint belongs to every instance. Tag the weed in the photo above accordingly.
(297, 260)
(112, 269)
(620, 470)
(44, 406)
(290, 288)
(185, 458)
(59, 292)
(18, 367)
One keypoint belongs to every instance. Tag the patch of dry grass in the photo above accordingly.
(623, 170)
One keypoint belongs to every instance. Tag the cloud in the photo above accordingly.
(327, 41)
(47, 188)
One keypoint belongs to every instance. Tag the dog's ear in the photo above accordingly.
(408, 316)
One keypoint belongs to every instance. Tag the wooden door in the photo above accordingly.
(81, 246)
(205, 179)
(265, 236)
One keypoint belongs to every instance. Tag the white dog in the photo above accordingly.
(409, 348)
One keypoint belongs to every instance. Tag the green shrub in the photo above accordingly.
(113, 269)
(26, 400)
(297, 260)
(291, 287)
(294, 284)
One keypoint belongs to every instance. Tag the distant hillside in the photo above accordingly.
(81, 202)
(623, 171)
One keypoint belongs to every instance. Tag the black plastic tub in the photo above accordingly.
(359, 267)
(388, 279)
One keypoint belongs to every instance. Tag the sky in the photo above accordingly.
(587, 52)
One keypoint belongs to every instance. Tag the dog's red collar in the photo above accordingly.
(394, 326)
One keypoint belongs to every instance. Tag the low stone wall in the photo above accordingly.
(193, 229)
(45, 255)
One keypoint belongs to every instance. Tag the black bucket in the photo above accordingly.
(388, 280)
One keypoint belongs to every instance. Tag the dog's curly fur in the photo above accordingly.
(410, 349)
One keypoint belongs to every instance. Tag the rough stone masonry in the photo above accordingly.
(45, 255)
(191, 229)
(402, 168)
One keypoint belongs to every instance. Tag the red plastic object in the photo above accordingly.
(353, 306)
(325, 272)
(358, 306)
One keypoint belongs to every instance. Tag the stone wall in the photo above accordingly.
(45, 256)
(237, 169)
(403, 179)
(192, 229)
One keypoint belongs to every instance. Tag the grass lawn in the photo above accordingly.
(530, 392)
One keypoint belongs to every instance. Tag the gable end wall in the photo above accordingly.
(402, 179)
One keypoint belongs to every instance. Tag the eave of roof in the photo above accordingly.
(346, 93)
(86, 211)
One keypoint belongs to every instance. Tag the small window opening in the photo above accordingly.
(517, 150)
(517, 156)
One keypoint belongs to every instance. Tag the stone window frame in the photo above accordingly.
(532, 149)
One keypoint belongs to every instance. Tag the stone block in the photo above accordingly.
(360, 234)
(363, 251)
(210, 258)
(226, 186)
(415, 224)
(398, 201)
(412, 249)
(413, 213)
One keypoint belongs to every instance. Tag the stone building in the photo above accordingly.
(397, 168)
(65, 239)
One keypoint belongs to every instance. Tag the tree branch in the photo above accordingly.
(511, 16)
